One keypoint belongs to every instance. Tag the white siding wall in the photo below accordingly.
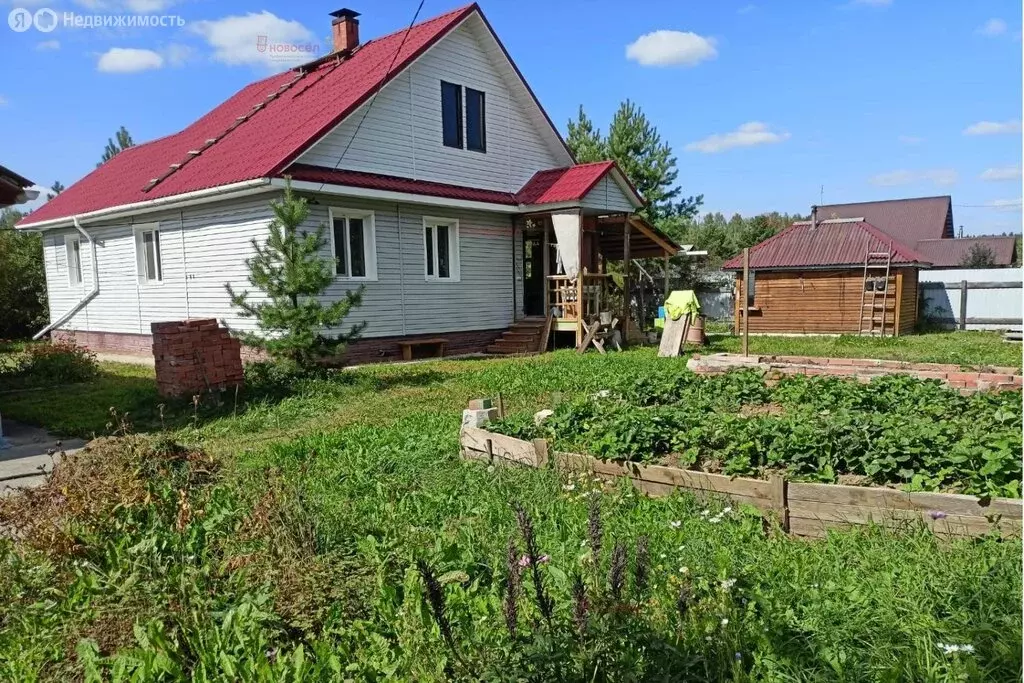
(401, 135)
(207, 245)
(607, 196)
(401, 301)
(204, 247)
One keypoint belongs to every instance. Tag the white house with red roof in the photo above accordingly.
(446, 189)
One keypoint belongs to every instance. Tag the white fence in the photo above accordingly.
(971, 299)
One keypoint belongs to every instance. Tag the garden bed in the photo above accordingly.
(915, 449)
(803, 509)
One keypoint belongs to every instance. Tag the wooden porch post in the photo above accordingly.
(579, 280)
(547, 269)
(625, 278)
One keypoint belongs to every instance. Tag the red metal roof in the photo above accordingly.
(566, 184)
(907, 220)
(550, 186)
(829, 245)
(374, 181)
(949, 253)
(285, 114)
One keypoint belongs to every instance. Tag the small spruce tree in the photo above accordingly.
(290, 270)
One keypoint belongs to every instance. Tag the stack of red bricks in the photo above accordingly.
(863, 369)
(194, 357)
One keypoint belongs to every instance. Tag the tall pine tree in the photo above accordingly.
(585, 140)
(290, 270)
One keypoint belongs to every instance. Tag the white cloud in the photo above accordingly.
(1001, 173)
(938, 176)
(234, 38)
(3, 101)
(126, 60)
(749, 134)
(48, 45)
(993, 128)
(992, 27)
(911, 140)
(671, 48)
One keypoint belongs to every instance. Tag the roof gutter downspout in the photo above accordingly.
(89, 296)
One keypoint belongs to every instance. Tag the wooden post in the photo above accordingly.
(665, 257)
(579, 279)
(744, 301)
(501, 406)
(963, 305)
(547, 269)
(780, 493)
(540, 447)
(625, 278)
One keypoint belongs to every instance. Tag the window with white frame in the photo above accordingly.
(441, 248)
(353, 244)
(147, 253)
(73, 245)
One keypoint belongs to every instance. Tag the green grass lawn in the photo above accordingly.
(296, 560)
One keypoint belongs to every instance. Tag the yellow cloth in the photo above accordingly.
(681, 302)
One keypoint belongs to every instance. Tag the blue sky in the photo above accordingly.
(763, 103)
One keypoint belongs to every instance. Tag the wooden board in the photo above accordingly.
(505, 447)
(672, 337)
(893, 499)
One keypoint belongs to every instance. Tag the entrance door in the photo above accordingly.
(533, 275)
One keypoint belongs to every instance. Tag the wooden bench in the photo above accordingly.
(408, 345)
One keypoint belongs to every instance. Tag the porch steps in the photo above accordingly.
(523, 337)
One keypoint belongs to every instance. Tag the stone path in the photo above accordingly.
(24, 455)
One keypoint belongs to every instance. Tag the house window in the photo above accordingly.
(876, 284)
(147, 253)
(441, 249)
(353, 244)
(475, 123)
(751, 286)
(74, 249)
(451, 114)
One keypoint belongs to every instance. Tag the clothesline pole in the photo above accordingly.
(746, 301)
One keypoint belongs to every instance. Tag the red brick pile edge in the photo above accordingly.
(195, 356)
(864, 369)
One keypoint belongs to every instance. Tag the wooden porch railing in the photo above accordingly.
(569, 296)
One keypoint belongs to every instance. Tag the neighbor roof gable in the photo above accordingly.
(907, 220)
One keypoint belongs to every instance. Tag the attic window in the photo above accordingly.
(475, 121)
(451, 114)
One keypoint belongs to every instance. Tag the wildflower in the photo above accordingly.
(684, 570)
(728, 583)
(738, 656)
(523, 561)
(512, 588)
(435, 596)
(937, 514)
(594, 528)
(526, 528)
(543, 559)
(640, 568)
(950, 649)
(725, 622)
(683, 601)
(676, 524)
(580, 605)
(725, 511)
(617, 571)
(705, 513)
(662, 556)
(569, 487)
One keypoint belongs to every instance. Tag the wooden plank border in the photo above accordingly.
(803, 509)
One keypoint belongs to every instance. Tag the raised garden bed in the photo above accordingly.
(822, 451)
(802, 509)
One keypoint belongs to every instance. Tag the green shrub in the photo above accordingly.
(57, 362)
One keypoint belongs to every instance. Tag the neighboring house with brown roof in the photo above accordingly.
(15, 188)
(424, 151)
(811, 277)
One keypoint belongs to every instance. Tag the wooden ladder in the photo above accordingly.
(874, 313)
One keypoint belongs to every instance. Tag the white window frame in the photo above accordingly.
(140, 255)
(70, 254)
(454, 269)
(369, 243)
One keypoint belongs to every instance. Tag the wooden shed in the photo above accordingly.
(836, 276)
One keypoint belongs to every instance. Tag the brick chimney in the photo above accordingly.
(345, 29)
